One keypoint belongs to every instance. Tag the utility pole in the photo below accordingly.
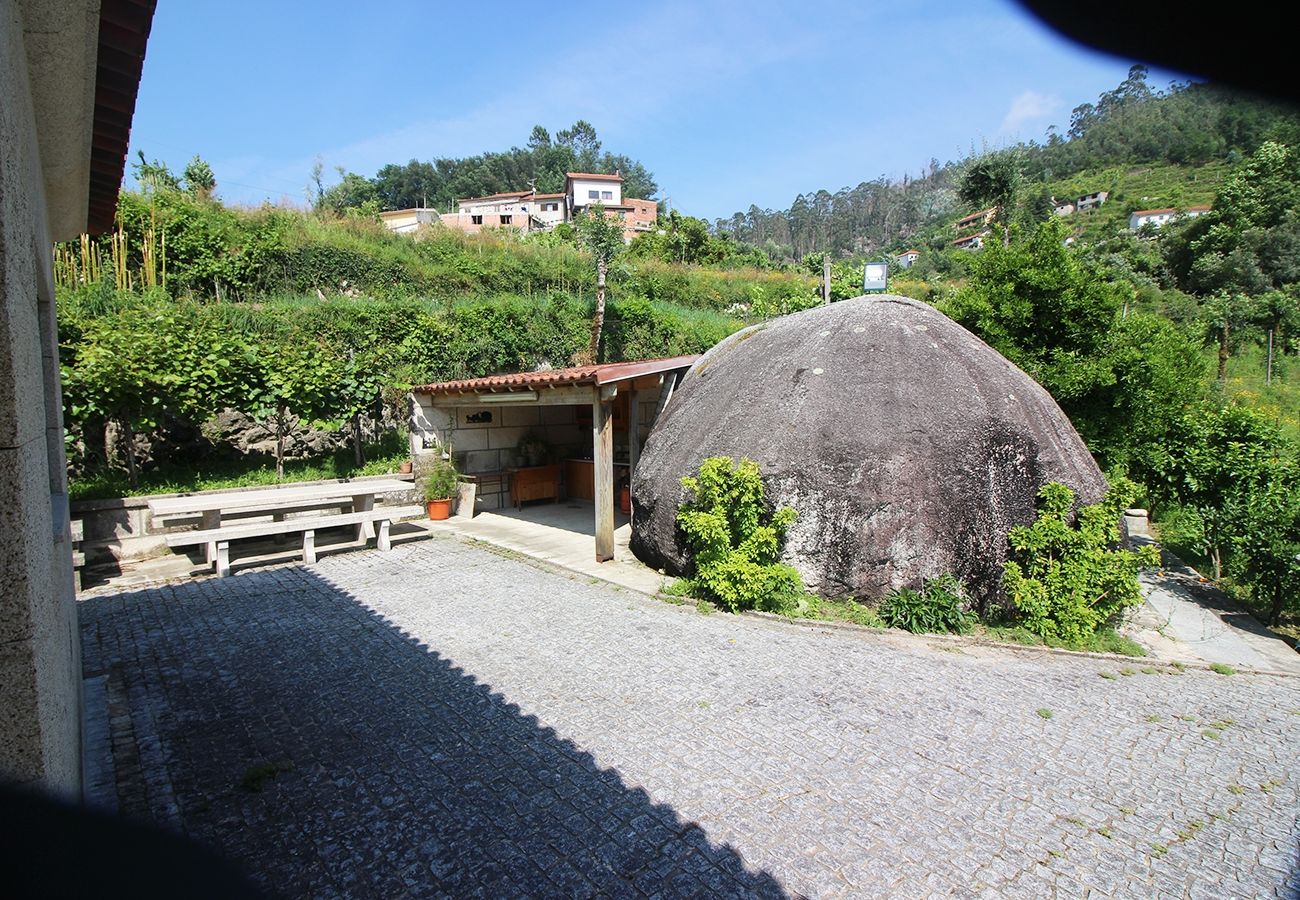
(826, 280)
(1268, 377)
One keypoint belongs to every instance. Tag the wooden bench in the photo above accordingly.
(218, 539)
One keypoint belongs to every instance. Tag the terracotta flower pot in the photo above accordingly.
(440, 509)
(404, 468)
(625, 500)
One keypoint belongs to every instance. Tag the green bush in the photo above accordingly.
(735, 541)
(939, 606)
(1067, 579)
(441, 481)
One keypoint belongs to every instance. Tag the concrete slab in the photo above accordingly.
(1186, 618)
(562, 534)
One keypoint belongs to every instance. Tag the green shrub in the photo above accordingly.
(1069, 579)
(442, 481)
(735, 541)
(939, 606)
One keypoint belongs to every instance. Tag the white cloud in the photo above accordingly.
(686, 50)
(1029, 107)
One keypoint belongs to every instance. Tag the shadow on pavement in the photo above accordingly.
(274, 718)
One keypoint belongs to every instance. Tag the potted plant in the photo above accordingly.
(440, 486)
(533, 451)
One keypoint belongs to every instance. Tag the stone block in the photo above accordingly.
(505, 438)
(477, 417)
(557, 415)
(521, 416)
(26, 554)
(20, 734)
(465, 439)
(481, 461)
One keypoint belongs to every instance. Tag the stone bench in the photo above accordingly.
(220, 538)
(78, 557)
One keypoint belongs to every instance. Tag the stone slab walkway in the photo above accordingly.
(442, 721)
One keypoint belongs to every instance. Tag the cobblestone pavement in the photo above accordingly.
(440, 720)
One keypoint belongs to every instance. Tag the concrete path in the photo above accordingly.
(562, 534)
(1187, 619)
(444, 721)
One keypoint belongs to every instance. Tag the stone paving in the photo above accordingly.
(440, 720)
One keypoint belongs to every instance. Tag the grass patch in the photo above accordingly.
(1104, 832)
(1104, 641)
(1153, 718)
(1210, 734)
(704, 607)
(1159, 850)
(253, 471)
(1109, 676)
(1236, 789)
(841, 610)
(1222, 669)
(1046, 713)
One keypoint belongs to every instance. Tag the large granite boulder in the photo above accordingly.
(907, 445)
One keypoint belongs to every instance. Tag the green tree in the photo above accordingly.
(602, 235)
(994, 180)
(1264, 522)
(199, 179)
(154, 176)
(296, 380)
(1042, 306)
(1210, 460)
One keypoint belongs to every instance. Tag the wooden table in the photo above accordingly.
(211, 506)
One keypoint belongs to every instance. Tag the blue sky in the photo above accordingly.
(727, 103)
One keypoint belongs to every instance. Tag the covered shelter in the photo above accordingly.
(525, 436)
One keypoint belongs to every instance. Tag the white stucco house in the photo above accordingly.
(528, 211)
(906, 258)
(1158, 217)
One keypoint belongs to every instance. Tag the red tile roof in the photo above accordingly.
(606, 373)
(503, 196)
(593, 176)
(123, 35)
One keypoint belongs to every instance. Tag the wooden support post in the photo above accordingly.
(384, 542)
(309, 547)
(223, 559)
(633, 432)
(602, 440)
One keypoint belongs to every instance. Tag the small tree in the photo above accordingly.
(199, 179)
(295, 381)
(603, 237)
(994, 180)
(1068, 579)
(1265, 525)
(736, 542)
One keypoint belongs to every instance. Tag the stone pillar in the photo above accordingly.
(40, 665)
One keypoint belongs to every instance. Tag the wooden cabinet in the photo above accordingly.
(534, 483)
(579, 479)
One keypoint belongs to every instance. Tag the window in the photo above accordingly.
(506, 220)
(593, 195)
(476, 220)
(607, 195)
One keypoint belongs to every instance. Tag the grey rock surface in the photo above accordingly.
(908, 446)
